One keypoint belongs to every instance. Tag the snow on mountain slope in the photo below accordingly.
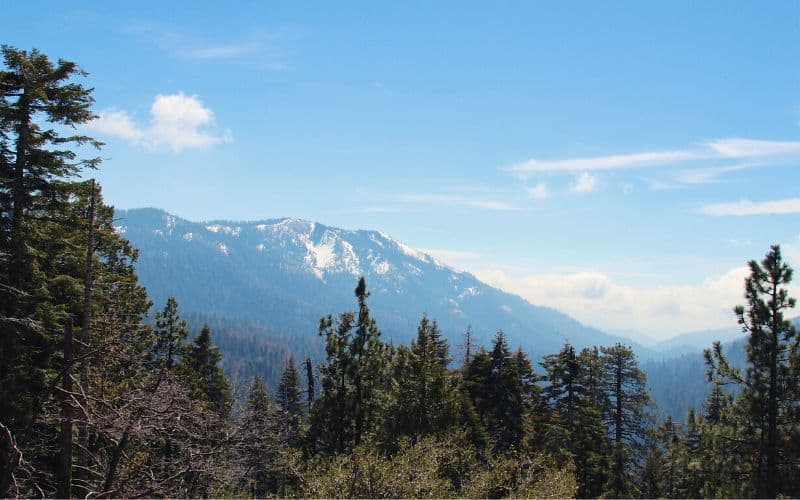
(287, 273)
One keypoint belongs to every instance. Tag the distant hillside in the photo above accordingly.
(694, 342)
(287, 273)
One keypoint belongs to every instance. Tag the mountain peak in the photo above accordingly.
(288, 272)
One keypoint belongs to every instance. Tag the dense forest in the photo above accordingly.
(98, 400)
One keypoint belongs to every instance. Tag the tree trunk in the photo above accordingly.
(86, 335)
(18, 195)
(310, 378)
(771, 481)
(64, 488)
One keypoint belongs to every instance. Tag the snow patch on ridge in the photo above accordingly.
(170, 223)
(382, 267)
(330, 255)
(219, 228)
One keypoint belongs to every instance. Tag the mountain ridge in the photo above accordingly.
(283, 271)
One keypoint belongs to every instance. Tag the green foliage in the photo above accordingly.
(354, 383)
(170, 333)
(425, 397)
(38, 265)
(765, 413)
(261, 450)
(625, 416)
(200, 369)
(494, 382)
(433, 468)
(288, 394)
(573, 428)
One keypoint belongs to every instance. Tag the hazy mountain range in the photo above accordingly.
(287, 273)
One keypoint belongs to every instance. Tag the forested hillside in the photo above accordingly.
(105, 394)
(286, 273)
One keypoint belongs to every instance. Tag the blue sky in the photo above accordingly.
(620, 161)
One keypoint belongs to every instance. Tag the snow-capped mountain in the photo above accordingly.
(287, 273)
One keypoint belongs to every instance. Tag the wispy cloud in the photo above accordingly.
(711, 175)
(753, 148)
(584, 183)
(746, 207)
(177, 121)
(613, 162)
(258, 48)
(748, 150)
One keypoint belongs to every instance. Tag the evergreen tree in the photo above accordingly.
(38, 100)
(261, 442)
(425, 398)
(625, 416)
(507, 396)
(170, 332)
(288, 394)
(200, 367)
(574, 426)
(767, 399)
(367, 353)
(349, 409)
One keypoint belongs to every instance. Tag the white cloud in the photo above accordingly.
(539, 191)
(116, 123)
(584, 183)
(746, 207)
(753, 148)
(613, 162)
(258, 48)
(177, 121)
(596, 299)
(753, 152)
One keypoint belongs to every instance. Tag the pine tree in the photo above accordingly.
(39, 99)
(768, 387)
(288, 394)
(575, 426)
(354, 383)
(200, 368)
(367, 353)
(170, 332)
(259, 446)
(625, 416)
(508, 398)
(425, 400)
